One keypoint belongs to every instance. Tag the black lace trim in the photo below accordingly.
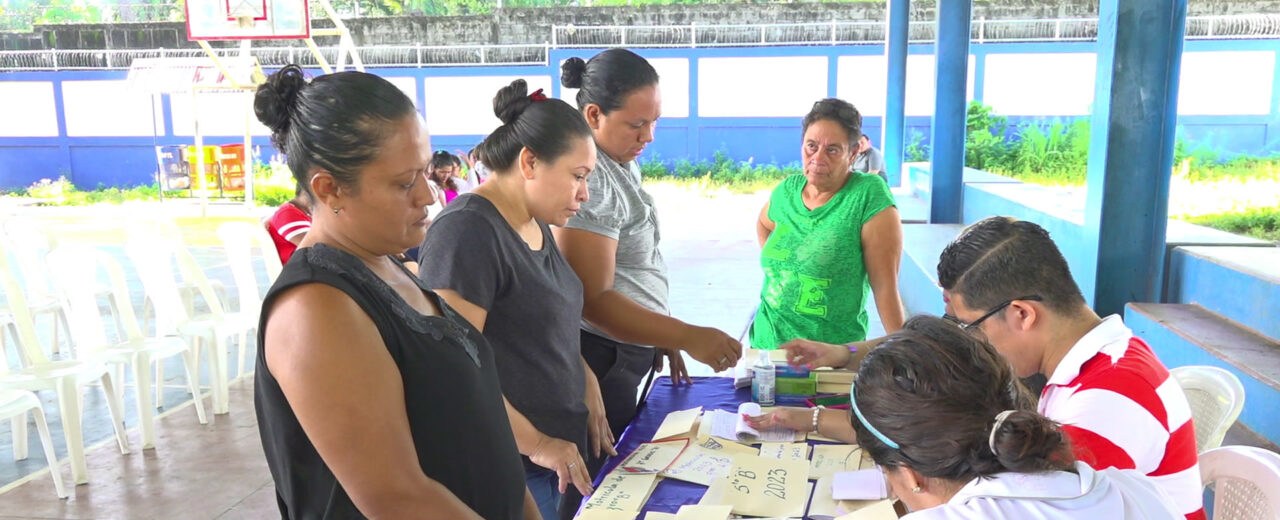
(438, 327)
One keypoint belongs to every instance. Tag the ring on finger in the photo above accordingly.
(572, 464)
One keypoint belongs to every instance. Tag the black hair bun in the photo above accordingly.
(571, 72)
(511, 101)
(277, 99)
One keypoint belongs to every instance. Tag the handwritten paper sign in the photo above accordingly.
(700, 466)
(701, 512)
(828, 459)
(785, 450)
(822, 506)
(767, 487)
(879, 510)
(677, 423)
(714, 444)
(653, 457)
(622, 491)
(605, 514)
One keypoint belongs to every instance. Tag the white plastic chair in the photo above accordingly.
(15, 404)
(1245, 481)
(67, 377)
(154, 257)
(239, 238)
(78, 267)
(1216, 398)
(28, 244)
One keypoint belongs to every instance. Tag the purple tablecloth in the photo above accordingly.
(708, 392)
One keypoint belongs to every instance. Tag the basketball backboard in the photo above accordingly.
(248, 19)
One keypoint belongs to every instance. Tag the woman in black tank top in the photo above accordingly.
(374, 398)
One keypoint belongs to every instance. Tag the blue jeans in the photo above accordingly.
(544, 485)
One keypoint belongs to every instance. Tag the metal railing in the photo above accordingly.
(824, 33)
(873, 32)
(381, 56)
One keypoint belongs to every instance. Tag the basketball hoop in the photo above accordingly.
(244, 21)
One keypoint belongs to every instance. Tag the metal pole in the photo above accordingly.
(952, 52)
(1135, 108)
(893, 143)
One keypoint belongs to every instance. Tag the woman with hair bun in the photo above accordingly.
(957, 437)
(612, 243)
(491, 255)
(374, 398)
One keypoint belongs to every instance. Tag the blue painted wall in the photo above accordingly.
(125, 161)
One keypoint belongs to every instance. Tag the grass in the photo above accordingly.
(1262, 223)
(720, 173)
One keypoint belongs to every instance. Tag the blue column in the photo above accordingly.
(895, 103)
(952, 54)
(1135, 112)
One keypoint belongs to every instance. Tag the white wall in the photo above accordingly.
(863, 81)
(28, 109)
(221, 114)
(109, 108)
(1226, 83)
(407, 84)
(760, 87)
(463, 105)
(1055, 84)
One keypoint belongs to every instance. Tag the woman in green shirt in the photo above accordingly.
(828, 236)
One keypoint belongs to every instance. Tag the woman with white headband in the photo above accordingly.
(956, 436)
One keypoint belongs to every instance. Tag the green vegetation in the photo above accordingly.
(1057, 153)
(61, 192)
(720, 173)
(1263, 223)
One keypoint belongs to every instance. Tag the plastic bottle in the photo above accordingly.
(763, 383)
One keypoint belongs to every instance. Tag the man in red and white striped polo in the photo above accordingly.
(1006, 280)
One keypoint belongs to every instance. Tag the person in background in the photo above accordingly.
(830, 238)
(612, 244)
(1006, 281)
(957, 437)
(445, 170)
(290, 223)
(491, 255)
(869, 159)
(374, 398)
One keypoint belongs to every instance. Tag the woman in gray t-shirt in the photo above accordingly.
(491, 256)
(612, 242)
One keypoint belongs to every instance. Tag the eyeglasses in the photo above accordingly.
(974, 324)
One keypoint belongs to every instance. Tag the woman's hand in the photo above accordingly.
(711, 347)
(679, 373)
(598, 430)
(798, 419)
(563, 458)
(815, 354)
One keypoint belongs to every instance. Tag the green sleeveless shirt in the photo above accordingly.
(815, 282)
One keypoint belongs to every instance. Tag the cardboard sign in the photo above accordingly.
(714, 444)
(622, 491)
(767, 487)
(700, 466)
(785, 450)
(653, 457)
(829, 459)
(677, 423)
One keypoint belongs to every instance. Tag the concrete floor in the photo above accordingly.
(218, 470)
(195, 471)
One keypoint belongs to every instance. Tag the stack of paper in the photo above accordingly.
(728, 425)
